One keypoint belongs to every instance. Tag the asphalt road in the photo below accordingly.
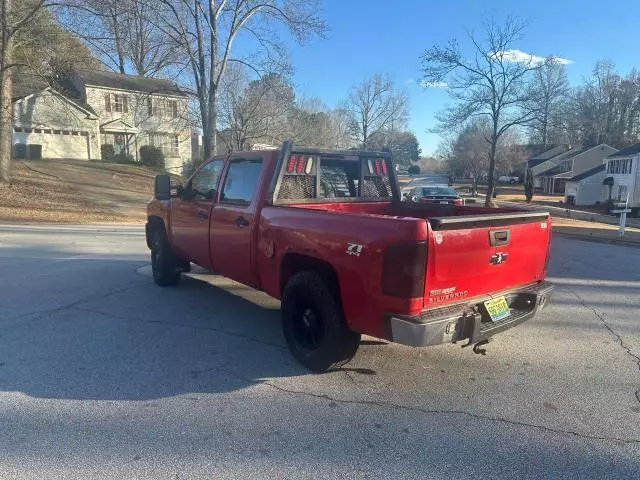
(105, 375)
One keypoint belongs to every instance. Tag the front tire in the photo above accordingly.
(314, 325)
(164, 265)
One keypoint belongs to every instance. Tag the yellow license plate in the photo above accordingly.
(498, 308)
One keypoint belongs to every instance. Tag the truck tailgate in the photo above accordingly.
(472, 256)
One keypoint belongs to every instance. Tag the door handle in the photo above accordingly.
(202, 215)
(241, 222)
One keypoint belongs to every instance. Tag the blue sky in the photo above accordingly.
(369, 36)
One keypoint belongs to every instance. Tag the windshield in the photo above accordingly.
(438, 191)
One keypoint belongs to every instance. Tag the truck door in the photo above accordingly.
(190, 214)
(232, 220)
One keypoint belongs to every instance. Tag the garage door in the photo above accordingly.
(59, 143)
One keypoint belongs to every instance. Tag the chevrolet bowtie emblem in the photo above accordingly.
(498, 258)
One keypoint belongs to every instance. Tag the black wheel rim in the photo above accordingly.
(308, 326)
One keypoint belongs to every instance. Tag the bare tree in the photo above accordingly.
(549, 90)
(205, 33)
(313, 124)
(607, 107)
(403, 145)
(122, 33)
(15, 17)
(467, 154)
(491, 84)
(254, 111)
(376, 104)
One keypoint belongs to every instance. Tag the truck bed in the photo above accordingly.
(464, 260)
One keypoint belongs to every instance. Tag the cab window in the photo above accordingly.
(204, 181)
(242, 181)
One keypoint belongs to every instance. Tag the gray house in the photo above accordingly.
(559, 165)
(74, 115)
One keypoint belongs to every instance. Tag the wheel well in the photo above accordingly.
(153, 223)
(293, 263)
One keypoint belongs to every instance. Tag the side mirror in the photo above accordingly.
(415, 198)
(162, 187)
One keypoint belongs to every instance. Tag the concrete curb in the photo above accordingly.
(608, 241)
(574, 214)
(66, 227)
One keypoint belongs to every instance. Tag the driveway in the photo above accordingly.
(105, 375)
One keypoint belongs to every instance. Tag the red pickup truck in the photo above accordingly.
(327, 233)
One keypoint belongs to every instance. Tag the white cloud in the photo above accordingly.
(515, 55)
(434, 84)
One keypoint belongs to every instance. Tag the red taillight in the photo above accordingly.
(546, 260)
(384, 167)
(378, 166)
(459, 202)
(403, 270)
(291, 165)
(300, 165)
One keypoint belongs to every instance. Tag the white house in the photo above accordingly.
(74, 115)
(586, 188)
(622, 168)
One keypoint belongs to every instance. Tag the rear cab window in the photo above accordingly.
(319, 176)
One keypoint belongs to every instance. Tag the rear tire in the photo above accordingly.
(164, 265)
(314, 325)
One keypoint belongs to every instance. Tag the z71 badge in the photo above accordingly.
(354, 249)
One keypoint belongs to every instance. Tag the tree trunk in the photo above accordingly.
(207, 134)
(488, 202)
(6, 107)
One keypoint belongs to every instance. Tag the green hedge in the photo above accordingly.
(151, 156)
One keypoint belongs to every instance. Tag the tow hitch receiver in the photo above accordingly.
(478, 347)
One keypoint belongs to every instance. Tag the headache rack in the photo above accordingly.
(299, 177)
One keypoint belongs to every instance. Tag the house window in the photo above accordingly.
(120, 103)
(620, 166)
(116, 102)
(162, 107)
(169, 144)
(17, 129)
(66, 132)
(56, 132)
(622, 193)
(47, 130)
(27, 130)
(37, 130)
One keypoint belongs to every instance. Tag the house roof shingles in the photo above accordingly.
(129, 82)
(547, 153)
(537, 161)
(625, 152)
(588, 173)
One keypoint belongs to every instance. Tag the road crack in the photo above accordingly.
(614, 334)
(38, 314)
(184, 325)
(426, 411)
